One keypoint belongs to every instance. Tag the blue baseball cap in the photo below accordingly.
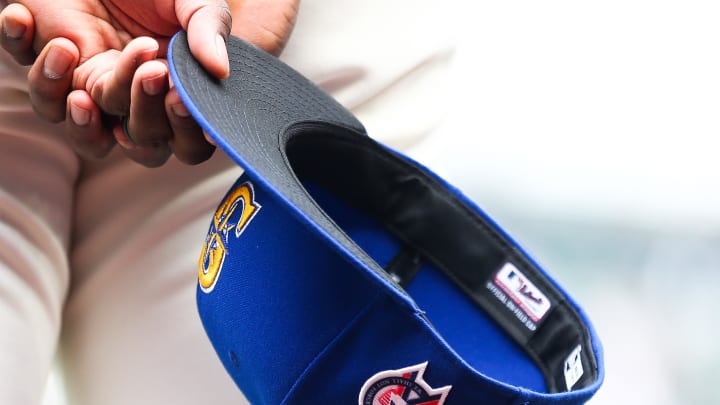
(337, 270)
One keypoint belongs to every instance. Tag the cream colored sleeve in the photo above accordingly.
(387, 61)
(37, 177)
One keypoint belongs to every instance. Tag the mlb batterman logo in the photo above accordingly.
(401, 387)
(231, 219)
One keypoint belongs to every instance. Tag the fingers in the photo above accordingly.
(113, 95)
(147, 134)
(85, 128)
(265, 23)
(124, 84)
(159, 124)
(16, 35)
(208, 23)
(156, 123)
(50, 78)
(188, 142)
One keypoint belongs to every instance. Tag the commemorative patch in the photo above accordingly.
(405, 386)
(230, 220)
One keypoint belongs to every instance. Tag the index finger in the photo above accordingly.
(50, 78)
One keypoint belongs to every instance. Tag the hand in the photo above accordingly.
(157, 125)
(98, 25)
(266, 23)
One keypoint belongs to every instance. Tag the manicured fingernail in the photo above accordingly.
(13, 29)
(57, 63)
(154, 85)
(180, 110)
(80, 116)
(221, 51)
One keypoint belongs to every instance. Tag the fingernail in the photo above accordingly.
(221, 51)
(13, 29)
(146, 56)
(180, 110)
(80, 116)
(57, 63)
(154, 85)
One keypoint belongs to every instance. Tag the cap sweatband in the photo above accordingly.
(337, 270)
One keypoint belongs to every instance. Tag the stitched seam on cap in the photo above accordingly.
(330, 346)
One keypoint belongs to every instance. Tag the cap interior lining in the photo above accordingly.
(417, 209)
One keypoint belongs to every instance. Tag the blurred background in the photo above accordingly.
(589, 131)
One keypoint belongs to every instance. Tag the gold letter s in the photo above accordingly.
(215, 246)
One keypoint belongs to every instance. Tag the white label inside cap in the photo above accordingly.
(573, 368)
(521, 290)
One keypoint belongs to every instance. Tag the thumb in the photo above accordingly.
(208, 24)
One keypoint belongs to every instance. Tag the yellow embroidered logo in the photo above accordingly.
(235, 213)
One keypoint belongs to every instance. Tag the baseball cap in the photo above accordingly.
(338, 270)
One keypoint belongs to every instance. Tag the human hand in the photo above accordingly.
(264, 22)
(157, 123)
(98, 25)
